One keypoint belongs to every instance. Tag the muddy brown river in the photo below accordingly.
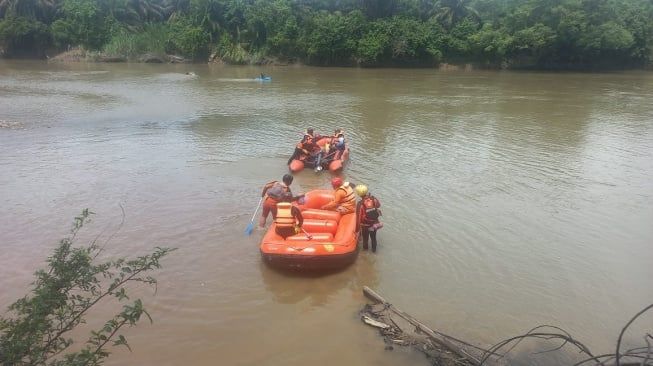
(510, 199)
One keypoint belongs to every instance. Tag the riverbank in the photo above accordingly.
(77, 55)
(82, 55)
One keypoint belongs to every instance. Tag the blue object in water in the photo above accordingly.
(266, 78)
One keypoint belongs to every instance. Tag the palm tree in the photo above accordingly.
(148, 10)
(450, 12)
(379, 9)
(41, 10)
(137, 12)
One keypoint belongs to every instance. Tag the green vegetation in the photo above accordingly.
(36, 329)
(508, 33)
(151, 39)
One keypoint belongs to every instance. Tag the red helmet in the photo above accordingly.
(336, 182)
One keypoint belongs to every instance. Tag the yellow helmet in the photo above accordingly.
(361, 190)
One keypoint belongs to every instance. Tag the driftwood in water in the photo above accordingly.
(445, 349)
(376, 324)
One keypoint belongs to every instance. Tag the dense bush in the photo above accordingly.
(534, 33)
(151, 39)
(81, 24)
(189, 39)
(401, 40)
(20, 36)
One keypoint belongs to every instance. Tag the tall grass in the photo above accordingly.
(153, 39)
(234, 53)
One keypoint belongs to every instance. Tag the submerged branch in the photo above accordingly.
(447, 350)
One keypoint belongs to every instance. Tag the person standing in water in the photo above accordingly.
(368, 215)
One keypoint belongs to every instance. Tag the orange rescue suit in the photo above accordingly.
(344, 201)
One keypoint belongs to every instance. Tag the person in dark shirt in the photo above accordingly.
(275, 192)
(307, 146)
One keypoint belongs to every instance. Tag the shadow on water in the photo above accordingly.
(318, 287)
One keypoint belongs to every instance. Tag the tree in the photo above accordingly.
(576, 33)
(451, 12)
(490, 45)
(332, 39)
(36, 330)
(148, 10)
(189, 39)
(40, 10)
(375, 9)
(534, 43)
(636, 17)
(21, 36)
(400, 40)
(83, 24)
(374, 43)
(269, 20)
(457, 40)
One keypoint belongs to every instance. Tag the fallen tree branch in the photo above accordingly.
(436, 337)
(448, 350)
(617, 355)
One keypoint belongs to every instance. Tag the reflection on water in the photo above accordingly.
(509, 199)
(290, 287)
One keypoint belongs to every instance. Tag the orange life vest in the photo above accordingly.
(349, 202)
(284, 215)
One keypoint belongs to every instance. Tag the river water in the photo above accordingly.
(509, 199)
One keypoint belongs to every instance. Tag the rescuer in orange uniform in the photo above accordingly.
(307, 146)
(345, 197)
(275, 192)
(289, 220)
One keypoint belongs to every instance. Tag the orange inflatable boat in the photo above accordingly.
(330, 240)
(333, 160)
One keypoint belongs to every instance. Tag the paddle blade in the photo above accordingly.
(249, 228)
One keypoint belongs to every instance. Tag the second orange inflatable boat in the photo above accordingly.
(330, 242)
(334, 161)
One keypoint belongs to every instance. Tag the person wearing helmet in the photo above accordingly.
(275, 192)
(307, 146)
(368, 215)
(344, 197)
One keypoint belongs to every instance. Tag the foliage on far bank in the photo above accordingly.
(37, 328)
(512, 33)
